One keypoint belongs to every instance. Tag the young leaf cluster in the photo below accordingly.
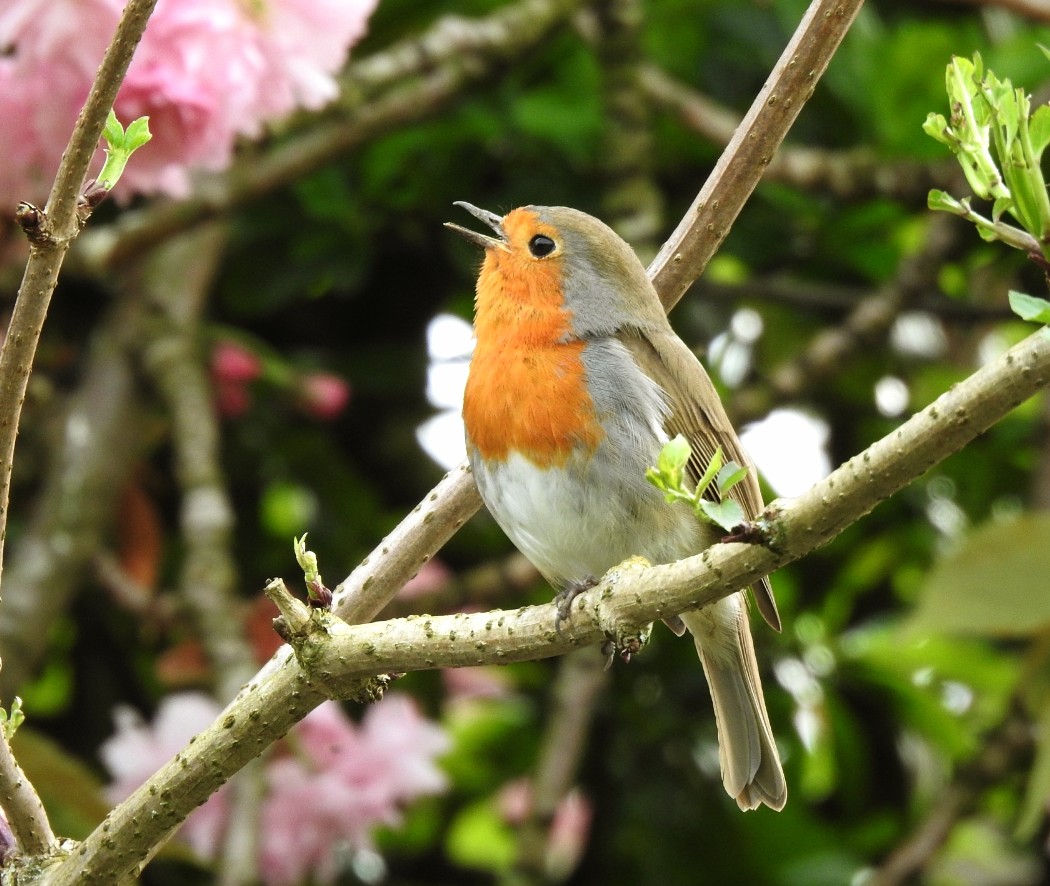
(121, 143)
(709, 499)
(999, 144)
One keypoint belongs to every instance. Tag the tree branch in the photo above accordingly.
(282, 693)
(55, 229)
(869, 320)
(100, 435)
(848, 174)
(25, 813)
(707, 222)
(1000, 752)
(175, 279)
(634, 594)
(1033, 9)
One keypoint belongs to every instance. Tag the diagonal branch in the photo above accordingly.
(51, 232)
(707, 222)
(55, 229)
(850, 173)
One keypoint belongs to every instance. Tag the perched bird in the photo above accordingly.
(576, 383)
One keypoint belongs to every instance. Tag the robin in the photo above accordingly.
(576, 383)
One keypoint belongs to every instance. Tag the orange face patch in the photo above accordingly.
(527, 387)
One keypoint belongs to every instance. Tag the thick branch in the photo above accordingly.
(707, 222)
(633, 595)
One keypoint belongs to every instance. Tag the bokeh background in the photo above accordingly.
(271, 312)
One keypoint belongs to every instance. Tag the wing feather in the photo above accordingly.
(698, 415)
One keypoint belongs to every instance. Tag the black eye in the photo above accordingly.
(541, 246)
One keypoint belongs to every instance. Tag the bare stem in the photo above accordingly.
(61, 223)
(25, 813)
(57, 226)
(707, 222)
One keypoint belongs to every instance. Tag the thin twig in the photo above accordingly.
(707, 222)
(999, 754)
(581, 680)
(849, 174)
(835, 299)
(175, 280)
(869, 320)
(25, 813)
(1033, 9)
(59, 221)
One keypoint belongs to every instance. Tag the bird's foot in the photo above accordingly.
(566, 595)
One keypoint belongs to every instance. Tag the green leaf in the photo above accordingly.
(943, 201)
(1030, 307)
(727, 514)
(120, 145)
(11, 721)
(713, 467)
(994, 584)
(729, 476)
(937, 127)
(1001, 205)
(1039, 130)
(113, 132)
(674, 456)
(137, 134)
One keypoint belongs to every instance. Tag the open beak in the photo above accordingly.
(491, 219)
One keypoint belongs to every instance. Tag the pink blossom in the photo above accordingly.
(323, 395)
(138, 749)
(569, 833)
(232, 367)
(487, 683)
(433, 576)
(344, 781)
(569, 829)
(233, 362)
(206, 72)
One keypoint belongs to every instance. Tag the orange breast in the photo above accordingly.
(527, 388)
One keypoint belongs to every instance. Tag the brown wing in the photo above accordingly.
(698, 415)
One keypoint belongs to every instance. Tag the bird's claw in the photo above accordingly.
(563, 599)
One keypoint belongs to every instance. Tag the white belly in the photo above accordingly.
(576, 522)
